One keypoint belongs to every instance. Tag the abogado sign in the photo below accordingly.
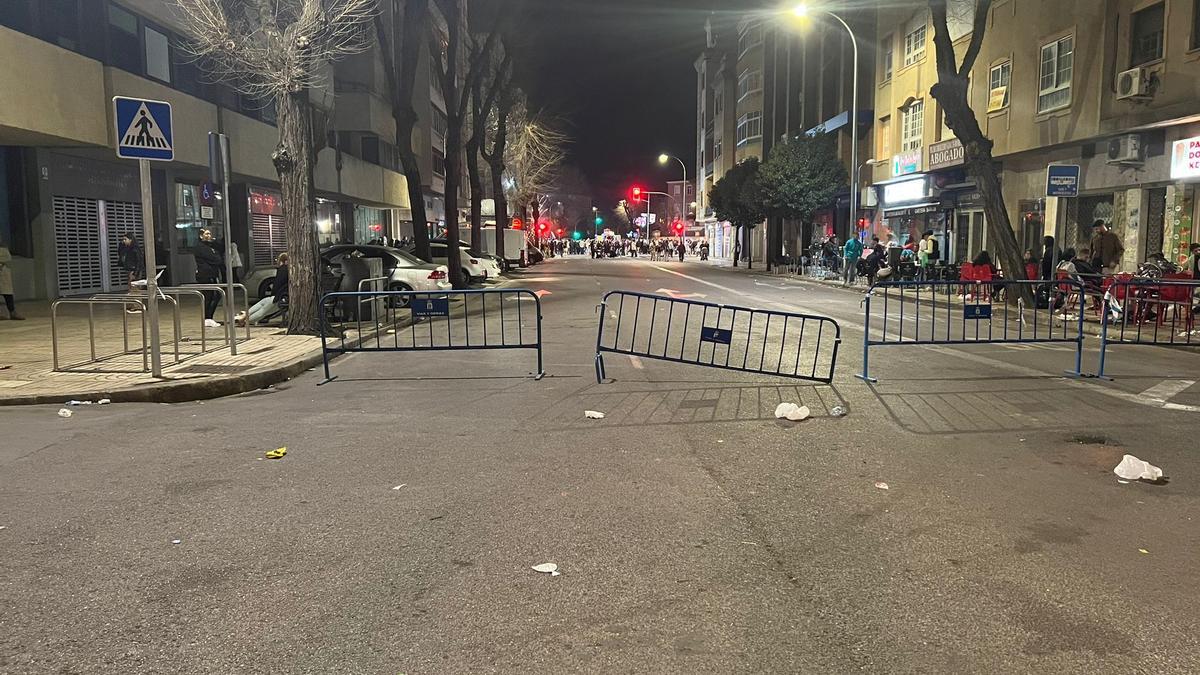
(1185, 159)
(946, 154)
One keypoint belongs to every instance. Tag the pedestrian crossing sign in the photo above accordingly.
(143, 129)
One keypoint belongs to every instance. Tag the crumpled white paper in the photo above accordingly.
(791, 411)
(1132, 468)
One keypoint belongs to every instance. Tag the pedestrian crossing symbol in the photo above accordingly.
(143, 129)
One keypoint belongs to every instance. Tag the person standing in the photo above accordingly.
(132, 259)
(236, 258)
(6, 284)
(1049, 254)
(209, 266)
(851, 254)
(1107, 248)
(680, 249)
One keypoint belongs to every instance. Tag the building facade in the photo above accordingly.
(1108, 86)
(65, 198)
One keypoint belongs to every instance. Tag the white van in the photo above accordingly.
(514, 245)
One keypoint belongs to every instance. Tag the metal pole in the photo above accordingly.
(223, 140)
(151, 268)
(852, 119)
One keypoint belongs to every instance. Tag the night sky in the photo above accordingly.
(620, 75)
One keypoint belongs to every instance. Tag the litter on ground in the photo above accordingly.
(547, 568)
(838, 411)
(63, 412)
(1132, 468)
(593, 415)
(791, 411)
(176, 541)
(277, 453)
(400, 486)
(104, 401)
(1142, 550)
(881, 485)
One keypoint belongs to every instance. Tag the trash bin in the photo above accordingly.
(356, 269)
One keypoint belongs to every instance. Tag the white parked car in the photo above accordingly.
(474, 269)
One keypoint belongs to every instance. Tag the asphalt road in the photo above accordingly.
(694, 532)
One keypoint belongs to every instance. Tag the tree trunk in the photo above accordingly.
(294, 160)
(497, 165)
(476, 182)
(405, 124)
(737, 244)
(748, 247)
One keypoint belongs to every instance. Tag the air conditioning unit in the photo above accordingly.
(1125, 149)
(1133, 84)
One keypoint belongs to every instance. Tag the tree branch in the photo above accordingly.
(977, 32)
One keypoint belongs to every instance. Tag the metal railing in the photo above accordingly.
(719, 336)
(1135, 311)
(122, 302)
(475, 319)
(964, 313)
(230, 329)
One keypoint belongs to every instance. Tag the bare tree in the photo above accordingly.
(533, 156)
(445, 50)
(401, 44)
(496, 135)
(278, 50)
(950, 91)
(494, 75)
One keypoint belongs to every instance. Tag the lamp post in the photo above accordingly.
(664, 159)
(802, 10)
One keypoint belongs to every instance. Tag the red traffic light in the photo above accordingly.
(561, 231)
(517, 223)
(678, 227)
(637, 193)
(542, 227)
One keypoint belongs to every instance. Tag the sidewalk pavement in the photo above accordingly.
(270, 356)
(26, 364)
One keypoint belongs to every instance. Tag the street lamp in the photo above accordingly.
(802, 10)
(665, 159)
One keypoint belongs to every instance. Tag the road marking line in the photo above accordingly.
(1167, 389)
(637, 362)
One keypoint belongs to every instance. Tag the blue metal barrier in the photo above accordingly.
(1135, 312)
(406, 321)
(798, 346)
(973, 312)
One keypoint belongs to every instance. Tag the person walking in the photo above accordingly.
(1107, 248)
(209, 265)
(6, 284)
(680, 249)
(851, 254)
(132, 259)
(236, 257)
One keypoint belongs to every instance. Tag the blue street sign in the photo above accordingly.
(143, 129)
(977, 312)
(717, 335)
(1062, 180)
(425, 308)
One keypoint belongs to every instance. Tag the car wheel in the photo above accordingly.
(395, 302)
(466, 277)
(266, 288)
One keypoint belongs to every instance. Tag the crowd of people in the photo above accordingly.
(662, 248)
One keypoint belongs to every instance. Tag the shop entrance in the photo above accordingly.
(87, 233)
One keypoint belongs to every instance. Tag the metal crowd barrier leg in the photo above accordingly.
(865, 375)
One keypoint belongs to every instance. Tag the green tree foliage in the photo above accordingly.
(802, 176)
(738, 196)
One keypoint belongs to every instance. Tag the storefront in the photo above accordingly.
(911, 205)
(268, 231)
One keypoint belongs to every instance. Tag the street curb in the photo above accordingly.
(198, 389)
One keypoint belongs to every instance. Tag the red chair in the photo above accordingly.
(1177, 298)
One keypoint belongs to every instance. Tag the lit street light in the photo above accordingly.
(802, 10)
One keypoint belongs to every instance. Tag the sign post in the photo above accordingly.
(144, 133)
(1062, 180)
(218, 166)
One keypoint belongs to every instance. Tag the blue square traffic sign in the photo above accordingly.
(143, 129)
(1062, 180)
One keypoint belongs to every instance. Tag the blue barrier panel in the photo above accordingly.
(1157, 312)
(799, 346)
(972, 312)
(406, 321)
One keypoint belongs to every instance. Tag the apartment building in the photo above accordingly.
(770, 77)
(1108, 86)
(65, 198)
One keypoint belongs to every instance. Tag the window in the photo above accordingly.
(914, 42)
(1147, 35)
(1196, 24)
(60, 22)
(439, 162)
(1054, 84)
(439, 123)
(158, 55)
(749, 38)
(716, 148)
(717, 102)
(885, 137)
(124, 49)
(998, 78)
(749, 127)
(748, 83)
(888, 50)
(912, 121)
